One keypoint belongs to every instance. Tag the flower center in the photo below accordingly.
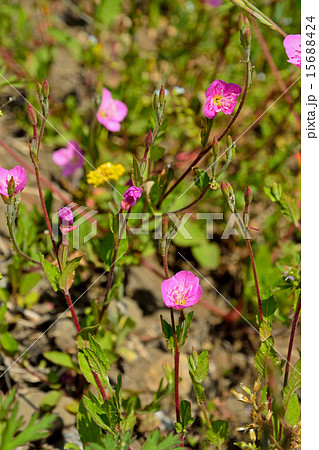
(180, 296)
(217, 100)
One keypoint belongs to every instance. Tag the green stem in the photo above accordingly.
(176, 364)
(112, 268)
(203, 408)
(15, 244)
(291, 340)
(252, 260)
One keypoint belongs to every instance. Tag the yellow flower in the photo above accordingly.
(105, 172)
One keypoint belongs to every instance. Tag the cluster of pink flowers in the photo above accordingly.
(182, 290)
(19, 176)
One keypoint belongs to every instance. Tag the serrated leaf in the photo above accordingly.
(201, 371)
(199, 390)
(293, 384)
(67, 277)
(290, 208)
(96, 413)
(269, 306)
(218, 433)
(52, 273)
(266, 352)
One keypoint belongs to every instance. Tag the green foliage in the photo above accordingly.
(218, 433)
(186, 417)
(60, 359)
(157, 442)
(198, 370)
(13, 433)
(52, 272)
(68, 273)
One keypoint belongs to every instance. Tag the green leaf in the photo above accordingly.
(88, 430)
(156, 153)
(201, 178)
(199, 390)
(266, 352)
(50, 401)
(35, 430)
(290, 209)
(52, 273)
(201, 371)
(61, 359)
(136, 173)
(156, 442)
(293, 384)
(168, 333)
(71, 447)
(28, 282)
(107, 10)
(96, 412)
(218, 433)
(8, 343)
(186, 417)
(107, 249)
(183, 327)
(67, 277)
(293, 410)
(207, 255)
(269, 306)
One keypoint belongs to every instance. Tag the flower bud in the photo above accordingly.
(240, 22)
(247, 37)
(32, 117)
(229, 141)
(162, 95)
(155, 102)
(148, 141)
(11, 187)
(39, 89)
(45, 88)
(248, 196)
(215, 148)
(66, 216)
(228, 193)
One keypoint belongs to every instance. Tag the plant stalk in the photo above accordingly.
(291, 340)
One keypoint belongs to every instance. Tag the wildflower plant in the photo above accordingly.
(108, 414)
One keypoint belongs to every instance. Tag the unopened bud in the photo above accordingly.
(215, 148)
(247, 36)
(229, 142)
(162, 95)
(248, 196)
(32, 117)
(39, 89)
(228, 193)
(240, 22)
(148, 141)
(45, 88)
(11, 187)
(155, 101)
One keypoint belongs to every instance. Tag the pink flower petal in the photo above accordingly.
(216, 88)
(111, 125)
(119, 110)
(106, 99)
(292, 44)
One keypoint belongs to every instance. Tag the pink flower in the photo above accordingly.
(221, 96)
(66, 220)
(19, 177)
(69, 158)
(111, 112)
(292, 44)
(130, 197)
(182, 290)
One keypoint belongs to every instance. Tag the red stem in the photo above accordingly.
(291, 341)
(70, 304)
(98, 382)
(176, 363)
